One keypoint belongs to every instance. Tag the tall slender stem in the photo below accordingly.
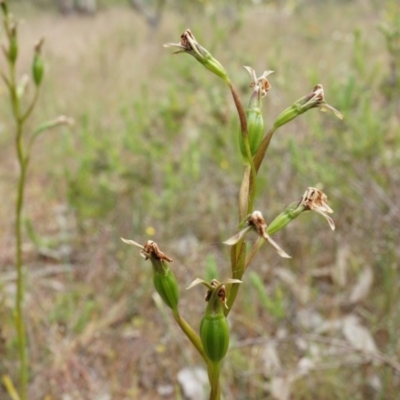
(19, 300)
(19, 205)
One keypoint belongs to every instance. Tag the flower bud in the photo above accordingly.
(38, 65)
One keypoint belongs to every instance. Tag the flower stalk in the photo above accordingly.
(16, 91)
(213, 341)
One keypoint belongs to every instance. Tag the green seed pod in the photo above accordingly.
(287, 115)
(214, 334)
(38, 64)
(13, 49)
(255, 129)
(37, 69)
(214, 328)
(167, 287)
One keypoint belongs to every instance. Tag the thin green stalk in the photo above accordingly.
(28, 112)
(238, 257)
(259, 156)
(20, 117)
(214, 370)
(19, 320)
(19, 299)
(23, 163)
(14, 99)
(190, 333)
(244, 198)
(252, 178)
(240, 109)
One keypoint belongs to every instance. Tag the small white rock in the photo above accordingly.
(194, 383)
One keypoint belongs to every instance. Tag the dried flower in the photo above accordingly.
(260, 85)
(213, 285)
(315, 200)
(312, 200)
(256, 222)
(149, 250)
(189, 45)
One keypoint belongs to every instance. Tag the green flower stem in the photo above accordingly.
(213, 376)
(29, 110)
(19, 299)
(238, 258)
(19, 319)
(20, 119)
(259, 156)
(12, 86)
(252, 178)
(246, 200)
(191, 334)
(257, 245)
(240, 109)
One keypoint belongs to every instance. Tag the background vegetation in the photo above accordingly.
(154, 154)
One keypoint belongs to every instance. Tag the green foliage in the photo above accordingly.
(272, 304)
(390, 28)
(73, 311)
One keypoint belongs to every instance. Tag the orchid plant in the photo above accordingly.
(212, 341)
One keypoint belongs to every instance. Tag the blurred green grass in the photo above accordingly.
(154, 151)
